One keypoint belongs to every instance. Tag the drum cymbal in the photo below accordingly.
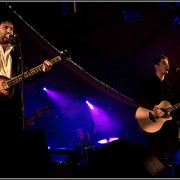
(107, 140)
(62, 151)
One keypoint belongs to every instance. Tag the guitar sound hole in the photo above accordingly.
(166, 113)
(151, 117)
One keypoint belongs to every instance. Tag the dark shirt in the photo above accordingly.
(152, 91)
(80, 148)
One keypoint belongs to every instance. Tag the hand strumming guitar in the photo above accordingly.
(158, 112)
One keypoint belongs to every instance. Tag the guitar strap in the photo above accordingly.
(16, 65)
(178, 130)
(16, 62)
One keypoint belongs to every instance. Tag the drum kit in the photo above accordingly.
(88, 152)
(62, 156)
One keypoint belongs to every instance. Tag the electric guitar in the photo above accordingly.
(7, 84)
(149, 122)
(31, 119)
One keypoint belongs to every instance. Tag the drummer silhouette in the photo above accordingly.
(82, 146)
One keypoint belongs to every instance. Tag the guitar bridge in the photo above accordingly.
(5, 85)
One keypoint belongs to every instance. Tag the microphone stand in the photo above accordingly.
(18, 45)
(93, 133)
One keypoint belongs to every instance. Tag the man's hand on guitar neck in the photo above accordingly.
(158, 112)
(47, 65)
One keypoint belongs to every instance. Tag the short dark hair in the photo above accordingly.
(6, 18)
(6, 14)
(81, 130)
(159, 58)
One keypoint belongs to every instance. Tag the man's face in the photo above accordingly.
(6, 29)
(81, 135)
(163, 66)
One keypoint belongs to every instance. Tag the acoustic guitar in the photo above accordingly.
(149, 122)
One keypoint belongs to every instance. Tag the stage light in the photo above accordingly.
(90, 105)
(132, 15)
(176, 21)
(68, 8)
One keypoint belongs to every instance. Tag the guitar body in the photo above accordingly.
(147, 120)
(5, 93)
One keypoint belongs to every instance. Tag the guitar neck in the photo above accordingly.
(172, 108)
(31, 116)
(27, 74)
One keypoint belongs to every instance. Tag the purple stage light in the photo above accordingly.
(90, 105)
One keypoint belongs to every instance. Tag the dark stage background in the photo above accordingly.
(112, 47)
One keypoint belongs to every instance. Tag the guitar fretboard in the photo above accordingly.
(172, 108)
(27, 74)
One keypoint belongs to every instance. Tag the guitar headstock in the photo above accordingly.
(41, 111)
(65, 54)
(29, 121)
(45, 109)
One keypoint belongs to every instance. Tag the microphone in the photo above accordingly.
(12, 36)
(174, 69)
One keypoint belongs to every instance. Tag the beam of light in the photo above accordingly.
(54, 95)
(90, 105)
(104, 121)
(67, 104)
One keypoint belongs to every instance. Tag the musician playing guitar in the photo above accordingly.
(10, 67)
(155, 98)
